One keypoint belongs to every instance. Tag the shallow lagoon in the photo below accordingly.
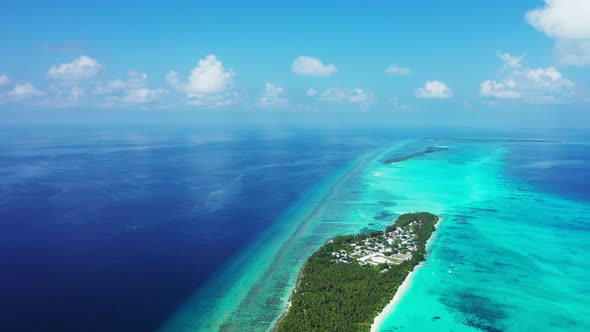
(515, 254)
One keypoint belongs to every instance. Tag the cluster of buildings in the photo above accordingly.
(391, 247)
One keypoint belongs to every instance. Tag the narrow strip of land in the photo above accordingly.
(346, 283)
(496, 140)
(431, 149)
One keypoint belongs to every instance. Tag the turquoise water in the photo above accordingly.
(251, 293)
(516, 254)
(518, 257)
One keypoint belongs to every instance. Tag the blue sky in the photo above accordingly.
(504, 62)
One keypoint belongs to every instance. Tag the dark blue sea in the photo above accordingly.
(112, 229)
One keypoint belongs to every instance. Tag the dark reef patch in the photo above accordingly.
(463, 236)
(476, 311)
(452, 227)
(370, 229)
(484, 210)
(463, 219)
(385, 216)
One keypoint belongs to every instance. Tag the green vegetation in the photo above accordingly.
(334, 295)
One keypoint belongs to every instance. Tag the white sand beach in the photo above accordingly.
(400, 291)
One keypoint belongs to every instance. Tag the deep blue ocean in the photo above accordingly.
(111, 229)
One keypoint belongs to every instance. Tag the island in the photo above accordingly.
(346, 283)
(495, 140)
(428, 150)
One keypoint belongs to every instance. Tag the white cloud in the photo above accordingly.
(24, 91)
(142, 96)
(501, 90)
(354, 96)
(4, 80)
(207, 84)
(133, 89)
(174, 81)
(566, 19)
(216, 100)
(134, 80)
(311, 92)
(272, 96)
(359, 96)
(434, 90)
(81, 68)
(511, 61)
(568, 22)
(550, 74)
(534, 85)
(397, 70)
(305, 65)
(334, 95)
(66, 97)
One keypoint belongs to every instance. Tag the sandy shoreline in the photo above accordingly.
(399, 293)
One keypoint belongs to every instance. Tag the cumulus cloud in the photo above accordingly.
(501, 90)
(562, 18)
(357, 96)
(134, 80)
(397, 70)
(550, 74)
(23, 91)
(305, 65)
(360, 96)
(273, 96)
(83, 67)
(70, 89)
(532, 84)
(207, 83)
(4, 80)
(511, 61)
(67, 97)
(568, 22)
(434, 90)
(133, 89)
(142, 96)
(216, 100)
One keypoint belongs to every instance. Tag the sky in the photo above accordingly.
(499, 63)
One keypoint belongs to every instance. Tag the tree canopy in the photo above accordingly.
(332, 296)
